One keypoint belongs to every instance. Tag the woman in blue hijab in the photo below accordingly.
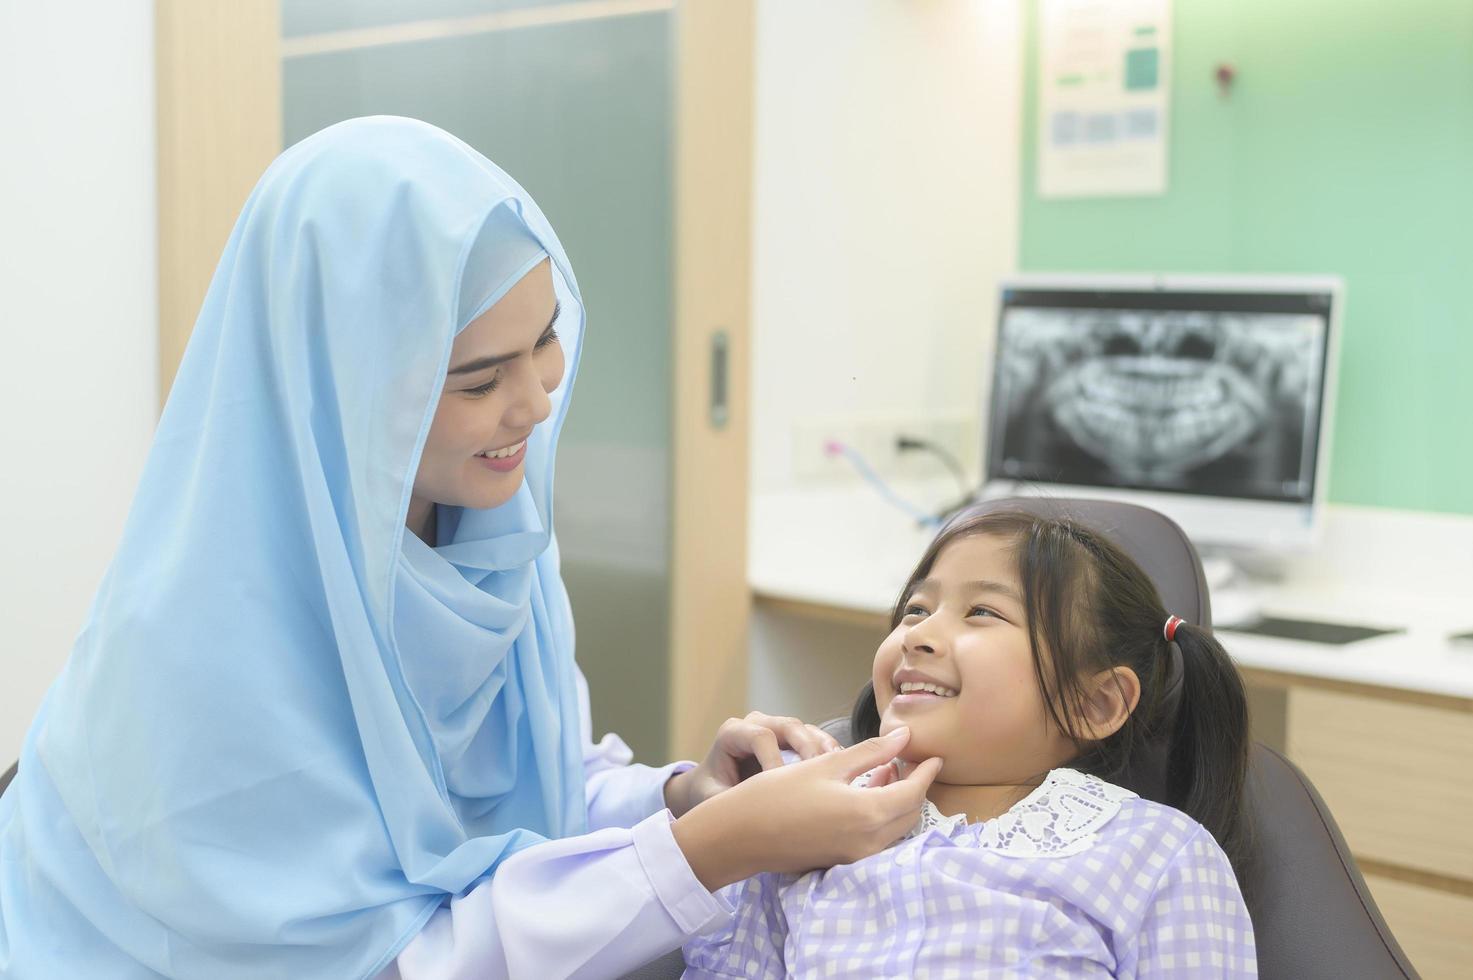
(324, 719)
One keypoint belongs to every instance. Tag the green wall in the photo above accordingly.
(1345, 147)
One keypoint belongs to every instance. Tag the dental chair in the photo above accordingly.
(1313, 916)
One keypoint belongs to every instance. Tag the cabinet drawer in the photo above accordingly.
(1434, 928)
(1397, 776)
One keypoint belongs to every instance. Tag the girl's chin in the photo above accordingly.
(916, 750)
(889, 722)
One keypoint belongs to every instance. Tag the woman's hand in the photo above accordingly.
(804, 816)
(743, 748)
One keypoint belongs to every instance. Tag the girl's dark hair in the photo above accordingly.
(1090, 607)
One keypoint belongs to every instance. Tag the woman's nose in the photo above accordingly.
(532, 405)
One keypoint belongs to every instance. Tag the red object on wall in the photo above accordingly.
(1225, 74)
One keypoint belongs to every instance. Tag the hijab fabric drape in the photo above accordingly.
(289, 729)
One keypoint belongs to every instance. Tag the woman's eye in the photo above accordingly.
(981, 611)
(914, 611)
(546, 340)
(486, 388)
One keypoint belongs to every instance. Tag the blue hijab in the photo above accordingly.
(289, 729)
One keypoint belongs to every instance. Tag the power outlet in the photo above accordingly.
(875, 438)
(956, 435)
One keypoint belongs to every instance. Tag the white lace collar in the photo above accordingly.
(1060, 817)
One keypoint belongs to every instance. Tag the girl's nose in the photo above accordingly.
(921, 640)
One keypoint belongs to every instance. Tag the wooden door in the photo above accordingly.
(630, 122)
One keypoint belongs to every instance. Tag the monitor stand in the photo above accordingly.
(1236, 580)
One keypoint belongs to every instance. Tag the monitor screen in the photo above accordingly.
(1211, 393)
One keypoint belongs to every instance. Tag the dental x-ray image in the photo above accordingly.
(1218, 403)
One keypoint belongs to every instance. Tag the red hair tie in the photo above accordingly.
(1172, 622)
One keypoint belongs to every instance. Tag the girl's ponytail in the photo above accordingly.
(1207, 768)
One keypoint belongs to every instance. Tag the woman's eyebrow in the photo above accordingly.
(482, 363)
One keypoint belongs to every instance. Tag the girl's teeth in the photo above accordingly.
(912, 688)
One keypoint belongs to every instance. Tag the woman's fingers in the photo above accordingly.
(762, 737)
(762, 743)
(829, 743)
(807, 740)
(804, 816)
(907, 792)
(864, 756)
(900, 804)
(746, 738)
(883, 776)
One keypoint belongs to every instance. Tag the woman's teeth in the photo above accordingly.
(910, 687)
(504, 453)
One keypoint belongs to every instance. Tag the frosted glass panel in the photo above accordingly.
(300, 17)
(580, 114)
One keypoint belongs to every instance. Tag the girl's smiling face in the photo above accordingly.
(503, 366)
(964, 631)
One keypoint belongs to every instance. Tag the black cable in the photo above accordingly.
(905, 443)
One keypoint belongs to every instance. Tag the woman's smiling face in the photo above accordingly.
(964, 632)
(503, 366)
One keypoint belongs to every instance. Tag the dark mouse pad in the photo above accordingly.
(1309, 630)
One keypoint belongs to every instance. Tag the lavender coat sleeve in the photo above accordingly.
(597, 905)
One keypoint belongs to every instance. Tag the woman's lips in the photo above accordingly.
(505, 464)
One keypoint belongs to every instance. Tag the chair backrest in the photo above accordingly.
(1313, 915)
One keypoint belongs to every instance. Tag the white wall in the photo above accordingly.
(886, 208)
(78, 318)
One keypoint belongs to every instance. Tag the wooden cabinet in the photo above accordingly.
(1394, 769)
(1396, 775)
(1433, 926)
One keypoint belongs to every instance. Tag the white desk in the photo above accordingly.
(845, 551)
(1384, 727)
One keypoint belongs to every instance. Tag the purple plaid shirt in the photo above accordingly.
(1079, 879)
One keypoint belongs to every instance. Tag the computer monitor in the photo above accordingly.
(1206, 398)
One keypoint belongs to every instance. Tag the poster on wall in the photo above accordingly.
(1103, 103)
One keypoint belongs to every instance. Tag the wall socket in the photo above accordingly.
(874, 438)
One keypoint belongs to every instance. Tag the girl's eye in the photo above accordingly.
(546, 340)
(486, 388)
(982, 611)
(914, 611)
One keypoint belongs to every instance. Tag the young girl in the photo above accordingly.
(1036, 661)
